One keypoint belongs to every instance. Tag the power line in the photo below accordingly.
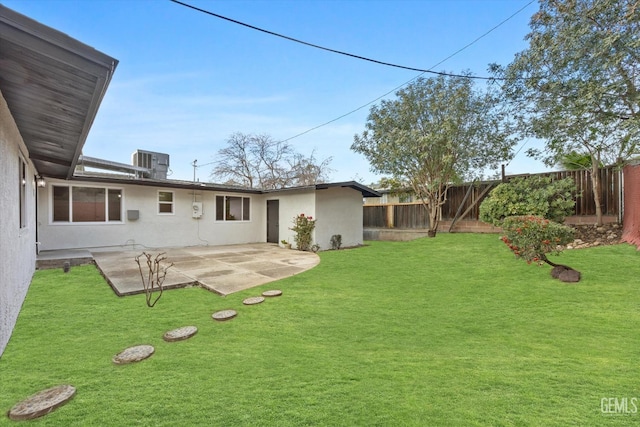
(364, 58)
(422, 71)
(518, 152)
(409, 81)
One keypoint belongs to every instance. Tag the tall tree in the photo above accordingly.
(437, 132)
(308, 170)
(235, 163)
(257, 161)
(577, 85)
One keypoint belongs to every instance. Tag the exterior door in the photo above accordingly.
(273, 224)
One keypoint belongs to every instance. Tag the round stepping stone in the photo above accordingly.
(224, 315)
(253, 300)
(42, 403)
(133, 354)
(272, 293)
(180, 334)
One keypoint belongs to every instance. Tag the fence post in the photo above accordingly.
(389, 209)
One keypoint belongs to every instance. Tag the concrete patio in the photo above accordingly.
(220, 269)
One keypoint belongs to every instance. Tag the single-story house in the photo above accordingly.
(95, 212)
(51, 87)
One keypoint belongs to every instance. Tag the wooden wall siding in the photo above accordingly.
(610, 191)
(410, 216)
(414, 215)
(455, 197)
(375, 216)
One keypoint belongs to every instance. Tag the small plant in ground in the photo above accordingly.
(532, 238)
(336, 241)
(303, 226)
(285, 244)
(155, 275)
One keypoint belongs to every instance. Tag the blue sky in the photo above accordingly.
(186, 80)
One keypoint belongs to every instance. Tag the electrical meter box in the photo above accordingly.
(196, 209)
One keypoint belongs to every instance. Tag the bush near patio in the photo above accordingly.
(303, 226)
(438, 332)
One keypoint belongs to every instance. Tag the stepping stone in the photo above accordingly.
(42, 403)
(253, 300)
(272, 293)
(180, 334)
(133, 354)
(224, 315)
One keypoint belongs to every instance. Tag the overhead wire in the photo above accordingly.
(518, 152)
(414, 78)
(422, 71)
(352, 55)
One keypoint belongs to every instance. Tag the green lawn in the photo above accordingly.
(451, 331)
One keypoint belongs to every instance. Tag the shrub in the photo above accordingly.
(303, 226)
(535, 195)
(336, 241)
(153, 276)
(532, 237)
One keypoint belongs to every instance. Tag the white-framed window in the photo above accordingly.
(166, 202)
(78, 204)
(233, 208)
(22, 183)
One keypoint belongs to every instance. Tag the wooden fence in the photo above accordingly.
(463, 201)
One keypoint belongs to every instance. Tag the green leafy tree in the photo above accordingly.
(533, 237)
(436, 132)
(576, 161)
(577, 85)
(535, 195)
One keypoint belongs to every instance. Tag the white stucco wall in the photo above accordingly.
(152, 230)
(339, 211)
(17, 245)
(293, 203)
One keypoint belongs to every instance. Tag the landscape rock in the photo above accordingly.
(570, 276)
(565, 274)
(558, 269)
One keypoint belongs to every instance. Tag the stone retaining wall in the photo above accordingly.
(463, 226)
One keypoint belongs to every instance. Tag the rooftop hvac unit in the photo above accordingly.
(157, 163)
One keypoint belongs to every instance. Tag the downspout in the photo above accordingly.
(37, 202)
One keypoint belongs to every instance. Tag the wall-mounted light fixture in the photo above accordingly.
(40, 182)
